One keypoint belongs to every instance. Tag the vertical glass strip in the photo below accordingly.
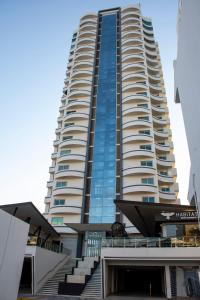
(103, 181)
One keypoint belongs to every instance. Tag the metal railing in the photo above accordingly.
(186, 241)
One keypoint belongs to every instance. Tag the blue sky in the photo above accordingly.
(35, 40)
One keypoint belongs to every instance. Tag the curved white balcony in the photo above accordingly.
(81, 83)
(133, 67)
(86, 41)
(165, 179)
(153, 63)
(58, 130)
(64, 209)
(131, 20)
(139, 188)
(136, 87)
(160, 121)
(133, 77)
(51, 170)
(73, 190)
(47, 200)
(69, 173)
(50, 184)
(54, 155)
(167, 196)
(136, 123)
(135, 98)
(137, 137)
(56, 142)
(83, 65)
(165, 163)
(131, 34)
(135, 110)
(139, 170)
(138, 153)
(88, 17)
(162, 148)
(152, 52)
(155, 87)
(85, 48)
(159, 109)
(87, 34)
(132, 58)
(161, 134)
(71, 157)
(132, 50)
(78, 104)
(132, 42)
(76, 115)
(88, 26)
(148, 37)
(156, 98)
(74, 128)
(79, 74)
(84, 56)
(131, 27)
(130, 12)
(73, 142)
(79, 93)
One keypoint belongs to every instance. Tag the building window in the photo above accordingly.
(63, 167)
(164, 173)
(148, 199)
(68, 124)
(65, 152)
(59, 202)
(57, 221)
(162, 157)
(149, 181)
(146, 118)
(61, 184)
(165, 189)
(146, 163)
(147, 132)
(69, 137)
(70, 112)
(143, 105)
(145, 147)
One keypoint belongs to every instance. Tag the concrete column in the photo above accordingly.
(168, 282)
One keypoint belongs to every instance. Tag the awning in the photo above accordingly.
(145, 215)
(26, 211)
(89, 227)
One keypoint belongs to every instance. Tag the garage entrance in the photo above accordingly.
(143, 281)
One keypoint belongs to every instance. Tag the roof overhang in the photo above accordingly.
(27, 212)
(148, 216)
(81, 228)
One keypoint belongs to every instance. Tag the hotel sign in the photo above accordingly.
(177, 216)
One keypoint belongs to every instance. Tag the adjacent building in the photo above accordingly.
(186, 73)
(113, 139)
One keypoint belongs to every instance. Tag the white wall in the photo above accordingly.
(13, 238)
(45, 264)
(187, 72)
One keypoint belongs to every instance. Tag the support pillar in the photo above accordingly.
(168, 282)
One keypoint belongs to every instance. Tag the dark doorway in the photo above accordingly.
(25, 286)
(139, 281)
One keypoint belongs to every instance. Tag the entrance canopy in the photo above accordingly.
(147, 217)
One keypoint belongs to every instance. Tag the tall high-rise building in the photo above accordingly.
(113, 139)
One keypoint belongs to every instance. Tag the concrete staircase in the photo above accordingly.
(51, 286)
(93, 287)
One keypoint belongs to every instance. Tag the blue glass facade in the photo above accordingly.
(103, 181)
